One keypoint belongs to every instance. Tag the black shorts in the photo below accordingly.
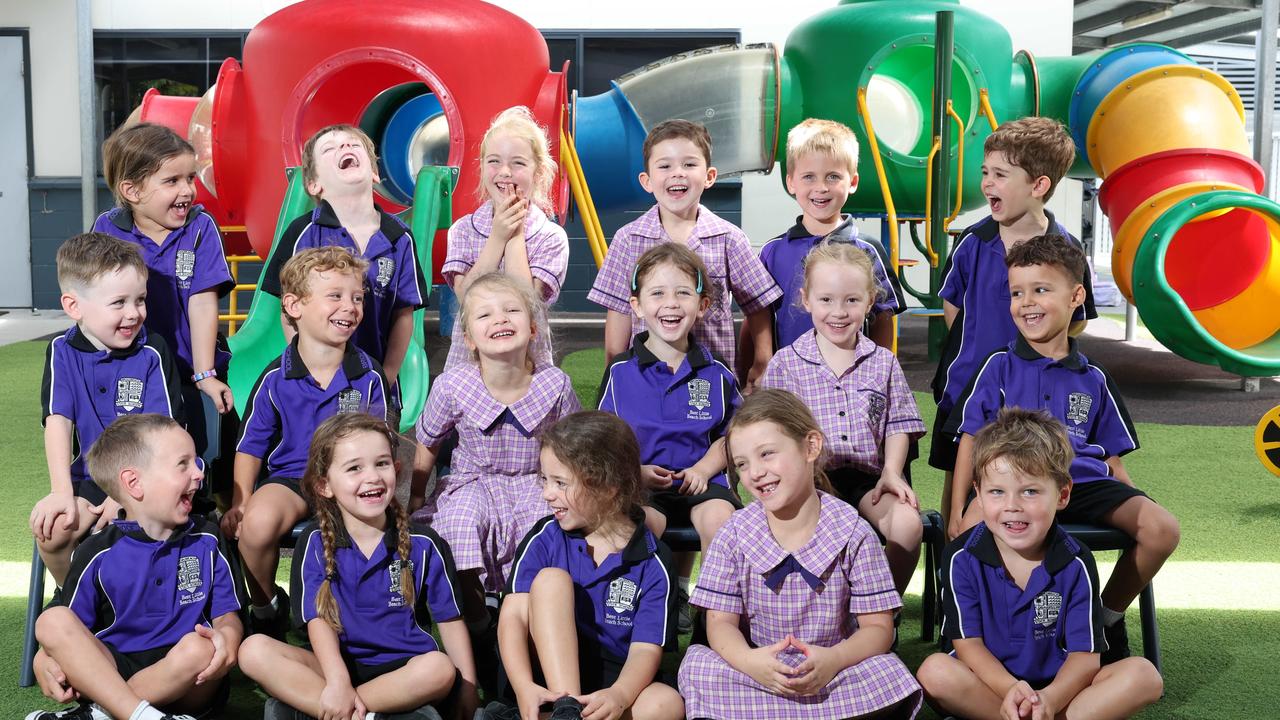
(90, 491)
(361, 673)
(130, 664)
(677, 508)
(942, 445)
(1092, 500)
(294, 484)
(851, 484)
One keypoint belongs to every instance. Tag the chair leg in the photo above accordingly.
(928, 604)
(1150, 630)
(35, 599)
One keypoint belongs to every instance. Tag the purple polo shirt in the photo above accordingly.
(784, 257)
(976, 280)
(189, 261)
(731, 262)
(1030, 631)
(92, 387)
(677, 415)
(629, 598)
(135, 593)
(377, 625)
(547, 246)
(857, 408)
(287, 405)
(1078, 393)
(394, 279)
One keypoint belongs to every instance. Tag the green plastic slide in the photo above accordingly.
(260, 340)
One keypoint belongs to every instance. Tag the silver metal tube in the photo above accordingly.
(1265, 88)
(88, 138)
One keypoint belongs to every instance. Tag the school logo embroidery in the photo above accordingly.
(1078, 405)
(349, 400)
(184, 266)
(396, 589)
(622, 595)
(876, 405)
(699, 394)
(190, 582)
(129, 394)
(1047, 606)
(386, 267)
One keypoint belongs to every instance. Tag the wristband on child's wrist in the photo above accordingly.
(204, 375)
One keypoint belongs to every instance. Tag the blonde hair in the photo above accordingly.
(83, 260)
(496, 282)
(309, 150)
(1031, 441)
(790, 415)
(125, 443)
(1039, 145)
(518, 122)
(842, 253)
(329, 517)
(134, 153)
(822, 137)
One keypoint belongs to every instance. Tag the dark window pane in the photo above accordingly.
(221, 48)
(606, 59)
(561, 49)
(166, 48)
(108, 48)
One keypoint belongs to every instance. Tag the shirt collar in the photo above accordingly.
(482, 220)
(806, 347)
(354, 362)
(132, 530)
(988, 229)
(845, 232)
(390, 535)
(388, 225)
(708, 225)
(697, 356)
(79, 341)
(1074, 360)
(815, 557)
(123, 217)
(529, 411)
(639, 548)
(1062, 549)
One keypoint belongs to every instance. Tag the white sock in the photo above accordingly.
(684, 584)
(370, 716)
(144, 711)
(268, 611)
(1111, 617)
(98, 713)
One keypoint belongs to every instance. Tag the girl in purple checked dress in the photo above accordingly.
(798, 594)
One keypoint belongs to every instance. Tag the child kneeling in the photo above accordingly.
(123, 637)
(1020, 595)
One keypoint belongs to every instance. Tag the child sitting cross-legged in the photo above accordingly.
(149, 614)
(1020, 595)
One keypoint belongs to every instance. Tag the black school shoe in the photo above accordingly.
(80, 712)
(276, 626)
(497, 711)
(484, 646)
(1117, 643)
(426, 712)
(566, 708)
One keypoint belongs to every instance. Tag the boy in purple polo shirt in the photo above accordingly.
(1043, 368)
(150, 611)
(1020, 595)
(320, 374)
(339, 167)
(106, 366)
(1024, 162)
(822, 171)
(677, 160)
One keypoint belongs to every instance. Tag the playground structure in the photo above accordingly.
(1195, 245)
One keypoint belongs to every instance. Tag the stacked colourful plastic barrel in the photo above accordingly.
(1195, 244)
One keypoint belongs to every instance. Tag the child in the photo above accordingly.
(106, 366)
(1044, 369)
(510, 231)
(320, 374)
(677, 161)
(499, 404)
(591, 589)
(1024, 161)
(677, 397)
(822, 172)
(1020, 595)
(149, 613)
(366, 585)
(151, 172)
(857, 391)
(798, 595)
(339, 168)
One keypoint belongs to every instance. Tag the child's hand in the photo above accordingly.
(509, 215)
(693, 481)
(955, 526)
(231, 521)
(223, 658)
(107, 511)
(602, 705)
(340, 701)
(763, 665)
(530, 697)
(754, 373)
(820, 666)
(655, 476)
(52, 506)
(896, 485)
(53, 682)
(218, 392)
(1017, 703)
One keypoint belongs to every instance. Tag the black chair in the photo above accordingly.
(1095, 537)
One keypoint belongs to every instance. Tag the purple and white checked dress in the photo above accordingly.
(732, 263)
(548, 248)
(852, 578)
(857, 409)
(493, 496)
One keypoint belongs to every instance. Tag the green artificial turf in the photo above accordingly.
(1218, 664)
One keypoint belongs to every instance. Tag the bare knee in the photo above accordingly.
(902, 527)
(1159, 531)
(550, 579)
(260, 528)
(1141, 679)
(708, 517)
(191, 655)
(256, 654)
(658, 702)
(56, 625)
(940, 675)
(433, 673)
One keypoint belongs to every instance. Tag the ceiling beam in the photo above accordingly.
(1085, 42)
(1220, 33)
(1175, 23)
(1111, 17)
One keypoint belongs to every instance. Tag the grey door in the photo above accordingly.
(15, 222)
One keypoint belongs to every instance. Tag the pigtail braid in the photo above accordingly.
(326, 606)
(404, 546)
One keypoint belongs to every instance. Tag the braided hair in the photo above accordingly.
(329, 516)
